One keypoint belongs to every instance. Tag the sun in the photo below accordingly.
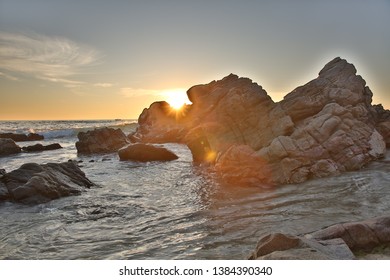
(176, 98)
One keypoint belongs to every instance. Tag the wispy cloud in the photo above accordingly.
(53, 59)
(9, 77)
(103, 85)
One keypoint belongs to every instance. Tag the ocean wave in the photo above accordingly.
(60, 133)
(65, 129)
(66, 133)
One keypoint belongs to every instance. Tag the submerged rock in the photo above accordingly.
(33, 183)
(8, 147)
(336, 242)
(144, 153)
(19, 137)
(40, 147)
(322, 128)
(101, 140)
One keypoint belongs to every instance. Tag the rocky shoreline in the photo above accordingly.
(323, 128)
(355, 240)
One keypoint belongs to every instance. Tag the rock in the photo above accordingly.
(40, 147)
(101, 140)
(8, 147)
(17, 137)
(358, 235)
(322, 128)
(280, 246)
(33, 183)
(4, 195)
(340, 241)
(144, 153)
(160, 124)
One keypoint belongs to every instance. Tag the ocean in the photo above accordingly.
(170, 210)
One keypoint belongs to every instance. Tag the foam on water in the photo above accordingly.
(172, 210)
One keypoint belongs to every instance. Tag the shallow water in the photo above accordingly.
(175, 210)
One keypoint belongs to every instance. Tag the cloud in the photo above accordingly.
(103, 85)
(9, 77)
(54, 59)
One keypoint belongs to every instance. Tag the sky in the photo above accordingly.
(92, 59)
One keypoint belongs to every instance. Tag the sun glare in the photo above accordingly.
(176, 98)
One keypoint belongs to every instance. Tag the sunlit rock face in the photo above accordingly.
(322, 128)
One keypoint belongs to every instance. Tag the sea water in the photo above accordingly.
(170, 210)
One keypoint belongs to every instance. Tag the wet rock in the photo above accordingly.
(40, 147)
(101, 140)
(33, 183)
(280, 246)
(8, 147)
(358, 235)
(144, 153)
(4, 195)
(339, 242)
(322, 128)
(17, 137)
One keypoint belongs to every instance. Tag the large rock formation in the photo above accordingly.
(8, 147)
(322, 128)
(340, 241)
(33, 183)
(144, 153)
(101, 140)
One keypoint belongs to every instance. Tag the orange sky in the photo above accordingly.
(96, 60)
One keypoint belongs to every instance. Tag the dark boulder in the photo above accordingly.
(8, 147)
(101, 140)
(144, 153)
(40, 147)
(20, 137)
(33, 183)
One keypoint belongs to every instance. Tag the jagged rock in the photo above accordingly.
(33, 183)
(8, 147)
(18, 137)
(338, 242)
(40, 147)
(322, 128)
(144, 153)
(101, 140)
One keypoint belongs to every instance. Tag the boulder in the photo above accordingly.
(4, 195)
(144, 153)
(280, 246)
(161, 124)
(8, 147)
(40, 147)
(338, 242)
(322, 128)
(33, 183)
(101, 140)
(20, 137)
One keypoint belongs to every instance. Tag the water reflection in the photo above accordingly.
(178, 210)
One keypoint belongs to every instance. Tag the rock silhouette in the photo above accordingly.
(322, 128)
